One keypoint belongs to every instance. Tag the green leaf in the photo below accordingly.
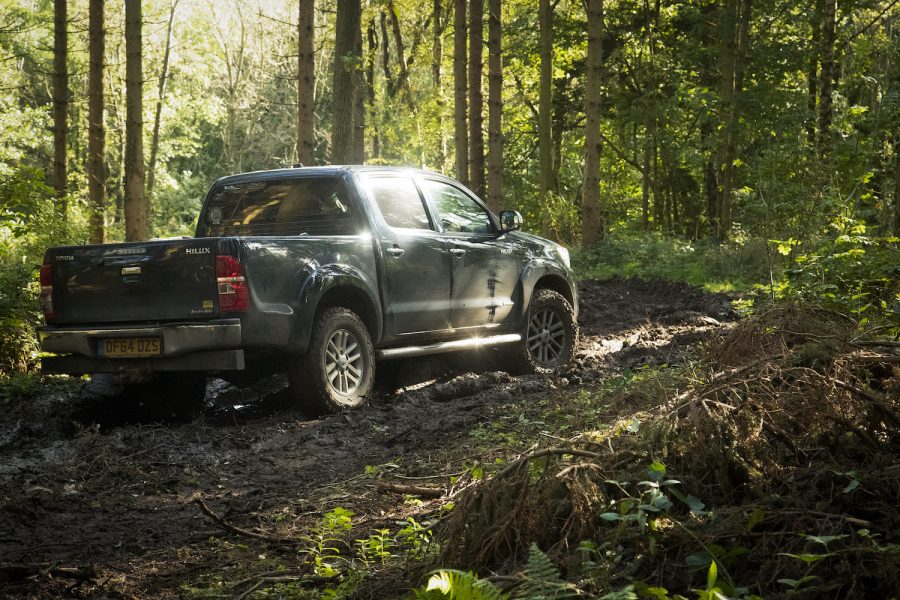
(712, 576)
(807, 558)
(756, 517)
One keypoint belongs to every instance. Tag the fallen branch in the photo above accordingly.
(414, 490)
(237, 530)
(545, 452)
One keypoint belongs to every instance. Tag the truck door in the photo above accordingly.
(485, 266)
(416, 280)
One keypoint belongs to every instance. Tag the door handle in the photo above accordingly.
(395, 251)
(457, 251)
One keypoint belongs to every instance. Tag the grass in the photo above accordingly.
(734, 266)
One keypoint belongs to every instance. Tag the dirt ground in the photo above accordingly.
(93, 487)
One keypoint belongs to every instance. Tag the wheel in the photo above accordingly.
(550, 336)
(338, 370)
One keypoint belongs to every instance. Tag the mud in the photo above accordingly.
(98, 484)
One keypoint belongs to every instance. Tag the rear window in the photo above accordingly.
(286, 207)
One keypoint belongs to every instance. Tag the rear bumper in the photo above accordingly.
(211, 345)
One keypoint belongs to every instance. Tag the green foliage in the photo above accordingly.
(855, 273)
(451, 584)
(737, 264)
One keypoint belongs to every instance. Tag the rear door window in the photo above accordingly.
(310, 206)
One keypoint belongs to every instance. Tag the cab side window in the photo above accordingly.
(399, 202)
(459, 213)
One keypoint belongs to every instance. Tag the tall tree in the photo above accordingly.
(346, 62)
(136, 227)
(358, 144)
(96, 170)
(437, 75)
(460, 108)
(476, 97)
(60, 102)
(545, 103)
(826, 76)
(495, 106)
(160, 98)
(734, 28)
(306, 83)
(592, 227)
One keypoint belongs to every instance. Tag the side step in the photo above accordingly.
(466, 344)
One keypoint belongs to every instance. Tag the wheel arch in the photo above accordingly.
(335, 286)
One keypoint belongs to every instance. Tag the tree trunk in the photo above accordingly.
(812, 74)
(437, 77)
(347, 27)
(60, 103)
(160, 98)
(734, 27)
(461, 137)
(358, 147)
(827, 77)
(372, 35)
(545, 104)
(136, 227)
(592, 226)
(645, 184)
(476, 96)
(96, 134)
(495, 107)
(306, 83)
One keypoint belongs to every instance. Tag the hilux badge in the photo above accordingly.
(197, 251)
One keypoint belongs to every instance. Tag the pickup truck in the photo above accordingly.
(320, 271)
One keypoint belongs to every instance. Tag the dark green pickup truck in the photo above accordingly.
(320, 270)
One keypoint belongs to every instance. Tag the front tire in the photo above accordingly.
(338, 371)
(550, 335)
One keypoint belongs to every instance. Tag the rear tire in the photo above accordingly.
(550, 336)
(338, 370)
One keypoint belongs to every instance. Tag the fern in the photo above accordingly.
(450, 584)
(542, 579)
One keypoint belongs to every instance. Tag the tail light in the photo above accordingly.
(233, 293)
(47, 291)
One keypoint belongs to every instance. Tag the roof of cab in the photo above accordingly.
(315, 171)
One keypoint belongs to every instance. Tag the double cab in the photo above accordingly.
(320, 271)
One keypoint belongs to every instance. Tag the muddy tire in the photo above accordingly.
(549, 339)
(338, 370)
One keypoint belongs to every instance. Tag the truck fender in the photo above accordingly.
(317, 286)
(540, 269)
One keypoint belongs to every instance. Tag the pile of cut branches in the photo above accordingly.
(779, 465)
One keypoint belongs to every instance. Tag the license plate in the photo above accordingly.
(129, 347)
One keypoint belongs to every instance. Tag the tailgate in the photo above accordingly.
(138, 281)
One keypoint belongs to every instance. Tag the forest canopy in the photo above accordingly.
(768, 122)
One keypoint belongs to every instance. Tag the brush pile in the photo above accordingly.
(779, 463)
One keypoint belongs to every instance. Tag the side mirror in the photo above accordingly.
(510, 220)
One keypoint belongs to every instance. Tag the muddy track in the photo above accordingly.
(94, 484)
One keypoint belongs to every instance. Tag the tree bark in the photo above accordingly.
(495, 107)
(827, 77)
(460, 108)
(160, 98)
(545, 104)
(437, 77)
(96, 171)
(812, 74)
(347, 28)
(136, 226)
(358, 147)
(372, 35)
(592, 226)
(60, 104)
(306, 83)
(476, 96)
